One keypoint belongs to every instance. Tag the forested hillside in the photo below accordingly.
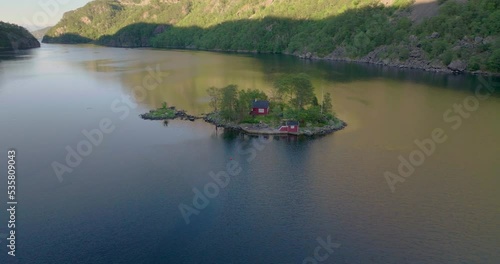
(448, 36)
(14, 37)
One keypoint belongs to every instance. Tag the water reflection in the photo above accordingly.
(16, 55)
(187, 75)
(291, 189)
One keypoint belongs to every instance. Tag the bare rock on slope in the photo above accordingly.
(457, 66)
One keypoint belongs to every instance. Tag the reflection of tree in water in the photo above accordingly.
(331, 72)
(188, 74)
(288, 138)
(101, 65)
(230, 135)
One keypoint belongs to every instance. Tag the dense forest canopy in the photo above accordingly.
(14, 37)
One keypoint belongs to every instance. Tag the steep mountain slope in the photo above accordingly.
(106, 17)
(449, 35)
(14, 37)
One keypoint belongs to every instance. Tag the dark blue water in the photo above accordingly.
(120, 204)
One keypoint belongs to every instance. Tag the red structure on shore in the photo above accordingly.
(290, 127)
(260, 107)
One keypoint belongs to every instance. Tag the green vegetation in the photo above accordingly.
(350, 30)
(161, 113)
(233, 104)
(105, 18)
(327, 103)
(294, 100)
(297, 90)
(14, 37)
(468, 32)
(356, 29)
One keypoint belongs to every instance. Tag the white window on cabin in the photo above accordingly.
(261, 110)
(292, 127)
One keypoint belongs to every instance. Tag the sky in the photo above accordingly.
(34, 14)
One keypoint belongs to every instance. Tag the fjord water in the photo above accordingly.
(120, 204)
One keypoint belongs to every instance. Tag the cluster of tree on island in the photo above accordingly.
(292, 98)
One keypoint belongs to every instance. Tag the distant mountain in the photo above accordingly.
(437, 35)
(14, 37)
(39, 33)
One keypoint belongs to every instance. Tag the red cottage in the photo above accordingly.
(290, 127)
(260, 107)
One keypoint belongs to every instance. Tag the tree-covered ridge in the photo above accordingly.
(14, 37)
(107, 17)
(469, 32)
(462, 36)
(357, 30)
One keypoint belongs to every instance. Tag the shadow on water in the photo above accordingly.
(16, 55)
(347, 72)
(273, 65)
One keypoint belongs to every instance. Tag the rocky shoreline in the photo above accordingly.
(416, 56)
(264, 129)
(416, 59)
(170, 113)
(415, 62)
(173, 114)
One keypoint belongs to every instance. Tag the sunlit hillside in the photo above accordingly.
(443, 35)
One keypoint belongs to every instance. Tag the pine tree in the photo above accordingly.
(327, 104)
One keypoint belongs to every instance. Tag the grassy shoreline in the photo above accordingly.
(167, 113)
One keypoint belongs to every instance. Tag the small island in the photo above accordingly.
(292, 109)
(166, 113)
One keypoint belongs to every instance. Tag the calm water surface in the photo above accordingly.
(121, 203)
